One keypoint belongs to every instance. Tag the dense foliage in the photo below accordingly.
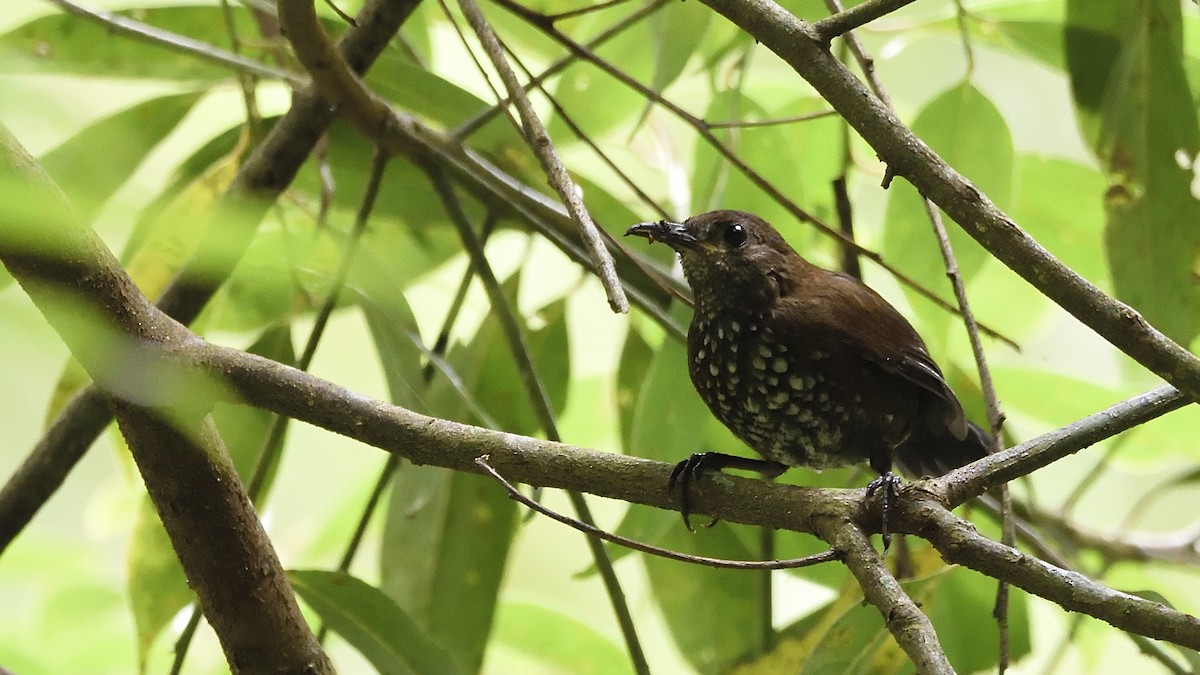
(1078, 118)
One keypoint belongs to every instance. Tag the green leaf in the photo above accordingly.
(960, 607)
(66, 44)
(1055, 201)
(157, 586)
(371, 623)
(93, 163)
(551, 641)
(443, 553)
(391, 322)
(636, 356)
(712, 613)
(967, 131)
(444, 103)
(677, 31)
(244, 429)
(1135, 106)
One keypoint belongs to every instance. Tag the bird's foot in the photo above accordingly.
(890, 483)
(691, 468)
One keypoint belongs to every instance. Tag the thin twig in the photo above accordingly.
(539, 401)
(539, 141)
(584, 10)
(964, 32)
(778, 121)
(847, 20)
(845, 216)
(994, 413)
(475, 123)
(633, 544)
(981, 475)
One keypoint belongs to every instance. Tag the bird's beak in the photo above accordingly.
(675, 235)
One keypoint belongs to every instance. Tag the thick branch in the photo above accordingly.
(126, 346)
(958, 542)
(799, 44)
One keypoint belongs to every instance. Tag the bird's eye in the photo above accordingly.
(735, 234)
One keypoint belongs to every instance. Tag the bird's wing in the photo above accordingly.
(846, 310)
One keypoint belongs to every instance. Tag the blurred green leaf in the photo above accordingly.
(443, 555)
(157, 586)
(443, 103)
(1134, 103)
(391, 323)
(677, 31)
(713, 614)
(71, 45)
(93, 163)
(963, 126)
(557, 642)
(717, 185)
(371, 623)
(1057, 202)
(636, 356)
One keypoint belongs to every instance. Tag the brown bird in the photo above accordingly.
(808, 367)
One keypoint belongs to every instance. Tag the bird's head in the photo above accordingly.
(730, 258)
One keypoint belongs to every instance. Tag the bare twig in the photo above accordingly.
(539, 141)
(539, 400)
(1021, 460)
(847, 20)
(425, 440)
(747, 124)
(958, 542)
(995, 416)
(586, 528)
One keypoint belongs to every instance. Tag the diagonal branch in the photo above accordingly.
(161, 405)
(1021, 460)
(539, 141)
(959, 543)
(904, 619)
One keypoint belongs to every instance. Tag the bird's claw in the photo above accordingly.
(890, 483)
(682, 475)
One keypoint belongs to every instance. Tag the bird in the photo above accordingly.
(808, 367)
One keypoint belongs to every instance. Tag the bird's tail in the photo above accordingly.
(935, 454)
